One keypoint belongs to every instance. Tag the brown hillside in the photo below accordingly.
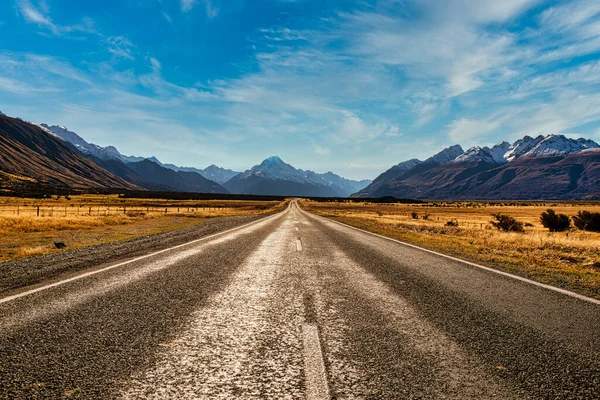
(27, 151)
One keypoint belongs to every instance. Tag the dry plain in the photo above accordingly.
(31, 226)
(570, 260)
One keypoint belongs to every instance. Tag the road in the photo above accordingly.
(296, 306)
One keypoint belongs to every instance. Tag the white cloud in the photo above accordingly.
(465, 129)
(156, 65)
(167, 17)
(40, 17)
(209, 7)
(33, 15)
(211, 10)
(187, 5)
(120, 47)
(321, 150)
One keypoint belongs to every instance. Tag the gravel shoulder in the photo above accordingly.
(34, 270)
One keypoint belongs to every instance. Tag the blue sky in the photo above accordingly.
(348, 86)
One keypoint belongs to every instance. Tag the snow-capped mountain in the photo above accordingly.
(485, 154)
(1, 113)
(104, 153)
(275, 177)
(218, 174)
(274, 168)
(446, 155)
(506, 171)
(541, 146)
(213, 173)
(408, 164)
(558, 145)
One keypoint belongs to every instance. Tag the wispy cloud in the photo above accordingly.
(375, 81)
(211, 10)
(40, 17)
(187, 5)
(120, 46)
(35, 16)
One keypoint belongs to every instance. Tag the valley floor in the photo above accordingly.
(569, 260)
(99, 229)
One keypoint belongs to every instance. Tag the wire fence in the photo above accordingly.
(105, 211)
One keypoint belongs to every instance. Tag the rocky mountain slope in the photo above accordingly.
(29, 155)
(546, 167)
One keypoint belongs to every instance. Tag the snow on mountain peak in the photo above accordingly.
(527, 146)
(273, 161)
(446, 155)
(557, 145)
(485, 154)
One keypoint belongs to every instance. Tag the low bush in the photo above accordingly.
(507, 223)
(452, 222)
(555, 222)
(414, 215)
(587, 221)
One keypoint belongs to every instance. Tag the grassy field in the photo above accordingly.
(569, 260)
(31, 226)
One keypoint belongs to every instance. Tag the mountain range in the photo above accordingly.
(531, 168)
(133, 172)
(212, 172)
(275, 177)
(544, 167)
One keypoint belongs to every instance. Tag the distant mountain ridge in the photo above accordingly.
(545, 167)
(153, 177)
(212, 172)
(275, 177)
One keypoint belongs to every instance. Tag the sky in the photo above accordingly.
(348, 86)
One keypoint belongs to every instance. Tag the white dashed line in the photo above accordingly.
(298, 244)
(317, 387)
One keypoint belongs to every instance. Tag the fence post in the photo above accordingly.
(165, 210)
(38, 211)
(90, 211)
(18, 210)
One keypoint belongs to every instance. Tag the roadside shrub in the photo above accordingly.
(452, 222)
(555, 222)
(587, 221)
(414, 215)
(426, 216)
(507, 223)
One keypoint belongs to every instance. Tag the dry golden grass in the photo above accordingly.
(92, 219)
(569, 260)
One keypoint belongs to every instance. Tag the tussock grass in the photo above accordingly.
(565, 259)
(91, 219)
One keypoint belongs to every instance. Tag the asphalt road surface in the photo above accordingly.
(296, 306)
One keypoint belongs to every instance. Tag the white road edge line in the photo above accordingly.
(506, 274)
(317, 387)
(86, 274)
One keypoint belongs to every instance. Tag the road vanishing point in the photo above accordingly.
(297, 306)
